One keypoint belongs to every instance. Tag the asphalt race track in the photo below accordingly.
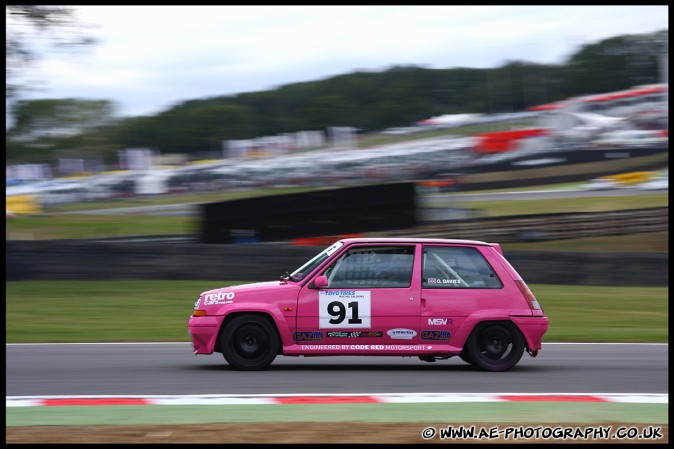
(171, 368)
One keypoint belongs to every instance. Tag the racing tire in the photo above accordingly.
(249, 342)
(464, 356)
(495, 346)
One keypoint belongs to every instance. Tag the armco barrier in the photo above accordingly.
(97, 260)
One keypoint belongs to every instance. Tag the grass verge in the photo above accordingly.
(148, 311)
(503, 412)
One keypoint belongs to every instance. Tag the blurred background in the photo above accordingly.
(584, 125)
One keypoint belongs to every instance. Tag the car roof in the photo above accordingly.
(412, 240)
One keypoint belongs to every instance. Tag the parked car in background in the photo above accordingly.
(602, 183)
(631, 138)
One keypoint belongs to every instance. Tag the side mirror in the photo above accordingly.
(321, 281)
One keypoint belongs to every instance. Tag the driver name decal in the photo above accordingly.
(443, 281)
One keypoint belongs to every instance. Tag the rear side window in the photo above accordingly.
(457, 267)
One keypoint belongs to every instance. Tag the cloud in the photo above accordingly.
(150, 57)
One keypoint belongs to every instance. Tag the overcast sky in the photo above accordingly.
(150, 58)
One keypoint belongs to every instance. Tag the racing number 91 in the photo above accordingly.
(344, 309)
(338, 310)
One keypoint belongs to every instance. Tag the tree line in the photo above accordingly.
(45, 130)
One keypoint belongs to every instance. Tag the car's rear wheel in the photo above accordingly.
(464, 356)
(495, 346)
(249, 342)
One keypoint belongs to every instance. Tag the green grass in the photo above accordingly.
(604, 314)
(101, 311)
(162, 200)
(424, 414)
(82, 226)
(143, 311)
(68, 226)
(500, 208)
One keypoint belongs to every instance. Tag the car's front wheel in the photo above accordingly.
(495, 346)
(249, 342)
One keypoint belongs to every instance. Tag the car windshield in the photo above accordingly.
(308, 267)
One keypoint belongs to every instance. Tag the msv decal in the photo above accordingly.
(440, 321)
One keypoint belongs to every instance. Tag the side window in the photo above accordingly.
(385, 267)
(457, 267)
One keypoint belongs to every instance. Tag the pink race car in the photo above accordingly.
(429, 298)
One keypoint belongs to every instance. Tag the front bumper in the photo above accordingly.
(204, 333)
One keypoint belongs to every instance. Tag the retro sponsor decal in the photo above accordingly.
(218, 298)
(344, 309)
(307, 336)
(440, 321)
(401, 334)
(196, 304)
(434, 335)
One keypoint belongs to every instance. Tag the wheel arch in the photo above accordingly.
(266, 315)
(474, 321)
(509, 322)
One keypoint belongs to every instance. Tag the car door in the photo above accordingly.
(371, 300)
(457, 283)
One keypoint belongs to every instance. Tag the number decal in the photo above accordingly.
(340, 313)
(354, 313)
(344, 309)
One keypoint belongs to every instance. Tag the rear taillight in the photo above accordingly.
(528, 295)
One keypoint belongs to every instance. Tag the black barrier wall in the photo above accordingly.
(310, 214)
(91, 260)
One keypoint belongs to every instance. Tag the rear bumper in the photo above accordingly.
(204, 333)
(533, 329)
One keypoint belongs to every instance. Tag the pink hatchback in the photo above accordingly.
(429, 298)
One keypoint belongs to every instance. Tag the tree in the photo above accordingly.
(69, 116)
(28, 27)
(618, 62)
(46, 128)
